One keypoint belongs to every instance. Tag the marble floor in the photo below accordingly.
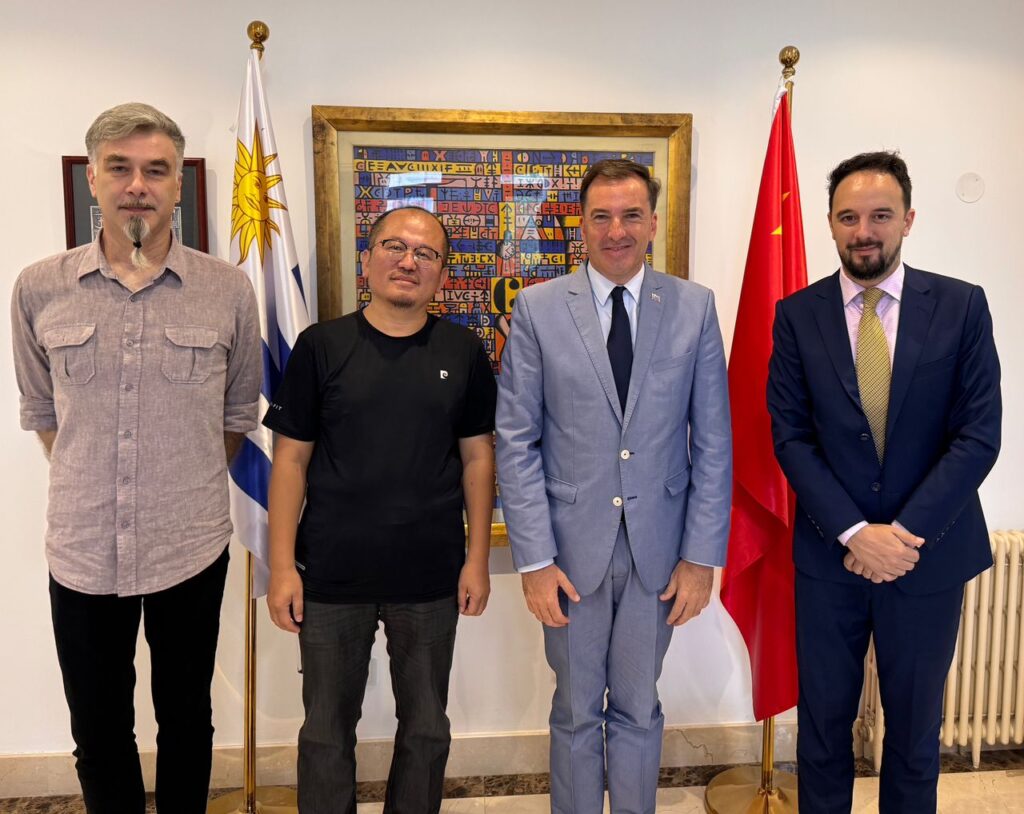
(996, 788)
(1000, 792)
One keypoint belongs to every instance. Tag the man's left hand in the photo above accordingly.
(690, 586)
(474, 588)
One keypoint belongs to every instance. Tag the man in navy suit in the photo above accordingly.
(884, 396)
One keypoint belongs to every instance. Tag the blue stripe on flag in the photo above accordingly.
(298, 279)
(283, 353)
(250, 470)
(271, 374)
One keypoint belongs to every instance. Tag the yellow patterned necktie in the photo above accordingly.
(874, 370)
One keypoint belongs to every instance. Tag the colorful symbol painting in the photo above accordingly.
(513, 216)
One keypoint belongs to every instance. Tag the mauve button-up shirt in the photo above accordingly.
(140, 388)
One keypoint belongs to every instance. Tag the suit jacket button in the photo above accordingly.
(865, 437)
(624, 454)
(876, 487)
(616, 501)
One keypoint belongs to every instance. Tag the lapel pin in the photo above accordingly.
(655, 296)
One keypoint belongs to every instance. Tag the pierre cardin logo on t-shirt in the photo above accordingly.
(444, 374)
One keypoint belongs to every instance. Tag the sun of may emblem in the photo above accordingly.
(251, 203)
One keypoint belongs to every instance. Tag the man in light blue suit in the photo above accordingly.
(614, 461)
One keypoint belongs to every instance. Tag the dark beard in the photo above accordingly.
(864, 269)
(399, 301)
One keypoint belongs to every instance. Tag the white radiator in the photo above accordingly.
(984, 695)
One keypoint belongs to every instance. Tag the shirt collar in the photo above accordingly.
(891, 285)
(603, 287)
(95, 260)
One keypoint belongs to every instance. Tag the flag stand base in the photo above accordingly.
(752, 790)
(268, 800)
(739, 791)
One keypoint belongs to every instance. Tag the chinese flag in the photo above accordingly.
(757, 583)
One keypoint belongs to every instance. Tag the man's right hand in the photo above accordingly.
(884, 551)
(284, 599)
(541, 587)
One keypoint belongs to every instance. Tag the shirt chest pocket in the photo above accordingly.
(190, 353)
(72, 351)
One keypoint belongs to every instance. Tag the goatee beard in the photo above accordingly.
(398, 302)
(137, 230)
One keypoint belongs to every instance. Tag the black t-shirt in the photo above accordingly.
(383, 515)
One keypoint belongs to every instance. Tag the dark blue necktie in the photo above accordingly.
(620, 346)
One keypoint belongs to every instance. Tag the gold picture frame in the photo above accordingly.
(335, 129)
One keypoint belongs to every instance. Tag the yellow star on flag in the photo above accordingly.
(778, 231)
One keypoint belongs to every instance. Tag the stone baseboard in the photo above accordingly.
(471, 756)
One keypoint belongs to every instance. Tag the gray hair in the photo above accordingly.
(134, 117)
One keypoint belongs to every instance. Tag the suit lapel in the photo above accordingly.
(580, 300)
(916, 308)
(650, 311)
(831, 319)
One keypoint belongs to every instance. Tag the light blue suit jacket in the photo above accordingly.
(570, 463)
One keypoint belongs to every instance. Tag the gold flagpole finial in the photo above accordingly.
(789, 57)
(259, 32)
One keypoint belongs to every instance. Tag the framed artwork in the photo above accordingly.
(83, 220)
(504, 183)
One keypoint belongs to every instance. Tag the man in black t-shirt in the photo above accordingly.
(383, 422)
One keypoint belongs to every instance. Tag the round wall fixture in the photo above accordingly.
(970, 187)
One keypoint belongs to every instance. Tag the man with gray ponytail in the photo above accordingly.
(138, 362)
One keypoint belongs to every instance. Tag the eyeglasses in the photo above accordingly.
(424, 255)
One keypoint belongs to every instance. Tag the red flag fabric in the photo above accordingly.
(757, 583)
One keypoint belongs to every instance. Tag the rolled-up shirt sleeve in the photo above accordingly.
(31, 366)
(245, 367)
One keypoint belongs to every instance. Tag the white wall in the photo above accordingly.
(940, 82)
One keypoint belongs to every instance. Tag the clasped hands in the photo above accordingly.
(882, 552)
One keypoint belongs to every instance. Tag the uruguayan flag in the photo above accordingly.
(262, 245)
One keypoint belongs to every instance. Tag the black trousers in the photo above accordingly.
(96, 636)
(915, 637)
(335, 641)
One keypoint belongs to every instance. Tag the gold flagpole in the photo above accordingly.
(252, 799)
(747, 789)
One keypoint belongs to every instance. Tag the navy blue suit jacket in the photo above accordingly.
(942, 435)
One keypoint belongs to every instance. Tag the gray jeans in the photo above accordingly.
(335, 641)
